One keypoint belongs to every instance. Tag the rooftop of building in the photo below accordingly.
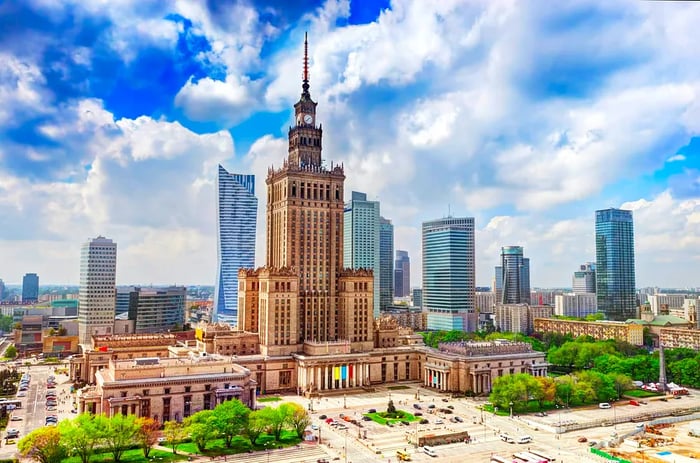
(660, 320)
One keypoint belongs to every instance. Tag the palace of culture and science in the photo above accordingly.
(305, 323)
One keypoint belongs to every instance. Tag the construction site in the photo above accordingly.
(677, 442)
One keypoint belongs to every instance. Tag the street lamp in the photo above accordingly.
(511, 409)
(344, 401)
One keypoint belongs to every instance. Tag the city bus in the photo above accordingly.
(542, 455)
(529, 458)
(15, 402)
(500, 459)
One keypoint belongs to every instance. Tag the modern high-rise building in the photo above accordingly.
(237, 211)
(514, 276)
(386, 263)
(584, 279)
(615, 281)
(98, 274)
(402, 274)
(417, 297)
(449, 273)
(30, 287)
(2, 290)
(361, 247)
(153, 310)
(303, 297)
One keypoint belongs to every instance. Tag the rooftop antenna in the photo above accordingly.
(305, 74)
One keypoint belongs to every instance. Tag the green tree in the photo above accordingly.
(299, 419)
(146, 434)
(43, 445)
(597, 386)
(202, 428)
(621, 383)
(11, 351)
(174, 433)
(276, 418)
(81, 435)
(6, 322)
(507, 389)
(593, 317)
(546, 391)
(230, 419)
(255, 426)
(119, 433)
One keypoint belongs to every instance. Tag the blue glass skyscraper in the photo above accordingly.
(449, 273)
(614, 245)
(237, 209)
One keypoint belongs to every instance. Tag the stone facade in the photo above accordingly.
(167, 388)
(519, 318)
(679, 337)
(600, 330)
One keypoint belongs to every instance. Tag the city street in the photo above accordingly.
(33, 411)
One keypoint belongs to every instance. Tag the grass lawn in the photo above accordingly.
(405, 416)
(269, 399)
(240, 444)
(132, 456)
(640, 393)
(397, 388)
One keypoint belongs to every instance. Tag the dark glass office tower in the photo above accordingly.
(614, 243)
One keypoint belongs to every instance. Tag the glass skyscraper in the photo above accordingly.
(30, 287)
(236, 219)
(361, 239)
(449, 273)
(614, 245)
(514, 282)
(386, 263)
(402, 274)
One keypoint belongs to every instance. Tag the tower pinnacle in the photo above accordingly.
(305, 75)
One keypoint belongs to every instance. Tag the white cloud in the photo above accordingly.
(226, 101)
(676, 158)
(22, 92)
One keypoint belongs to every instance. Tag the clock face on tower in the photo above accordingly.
(308, 119)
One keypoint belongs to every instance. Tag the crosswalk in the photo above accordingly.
(301, 454)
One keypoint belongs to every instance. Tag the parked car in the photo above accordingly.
(366, 418)
(431, 406)
(418, 414)
(372, 410)
(450, 407)
(439, 421)
(417, 406)
(322, 417)
(445, 400)
(16, 418)
(459, 419)
(604, 405)
(424, 421)
(583, 439)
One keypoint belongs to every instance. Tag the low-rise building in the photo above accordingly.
(599, 330)
(165, 389)
(672, 338)
(519, 318)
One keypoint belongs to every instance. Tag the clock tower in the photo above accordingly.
(305, 135)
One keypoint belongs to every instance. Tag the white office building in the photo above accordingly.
(98, 273)
(575, 305)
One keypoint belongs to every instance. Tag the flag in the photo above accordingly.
(336, 372)
(344, 372)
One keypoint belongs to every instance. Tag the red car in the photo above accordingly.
(329, 420)
(634, 402)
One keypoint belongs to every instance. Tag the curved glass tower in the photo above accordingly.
(237, 209)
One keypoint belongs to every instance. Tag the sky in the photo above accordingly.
(114, 115)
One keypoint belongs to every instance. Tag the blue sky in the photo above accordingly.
(115, 114)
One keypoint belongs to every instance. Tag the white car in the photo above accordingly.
(604, 405)
(438, 421)
(22, 394)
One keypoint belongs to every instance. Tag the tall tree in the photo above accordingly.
(175, 433)
(546, 391)
(119, 433)
(276, 418)
(43, 445)
(298, 418)
(230, 419)
(81, 435)
(202, 428)
(257, 423)
(146, 433)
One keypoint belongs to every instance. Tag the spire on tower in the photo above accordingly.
(305, 75)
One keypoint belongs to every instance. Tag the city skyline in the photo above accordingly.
(94, 140)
